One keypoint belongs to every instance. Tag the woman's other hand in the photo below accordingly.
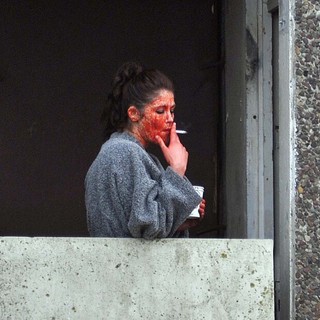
(175, 153)
(190, 223)
(202, 209)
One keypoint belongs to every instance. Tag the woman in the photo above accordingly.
(128, 192)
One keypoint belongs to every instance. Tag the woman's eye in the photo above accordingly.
(162, 111)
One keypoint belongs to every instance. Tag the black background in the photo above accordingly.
(56, 64)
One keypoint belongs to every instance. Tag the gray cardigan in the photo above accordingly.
(129, 194)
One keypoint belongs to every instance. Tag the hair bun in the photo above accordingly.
(127, 72)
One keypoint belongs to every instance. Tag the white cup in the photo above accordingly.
(195, 212)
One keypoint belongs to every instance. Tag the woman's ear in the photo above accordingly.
(133, 114)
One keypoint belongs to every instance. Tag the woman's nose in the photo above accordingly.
(170, 116)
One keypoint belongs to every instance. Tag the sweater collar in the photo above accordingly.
(126, 136)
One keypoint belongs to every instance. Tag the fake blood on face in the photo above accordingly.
(157, 118)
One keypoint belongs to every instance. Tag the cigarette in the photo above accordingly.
(181, 131)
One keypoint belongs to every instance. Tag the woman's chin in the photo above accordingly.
(165, 138)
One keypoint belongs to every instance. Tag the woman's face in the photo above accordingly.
(157, 118)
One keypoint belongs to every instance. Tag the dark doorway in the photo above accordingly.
(57, 61)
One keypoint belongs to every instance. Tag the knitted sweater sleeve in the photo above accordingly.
(157, 201)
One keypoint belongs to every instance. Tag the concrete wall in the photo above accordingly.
(235, 127)
(307, 257)
(81, 278)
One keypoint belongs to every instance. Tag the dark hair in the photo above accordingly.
(133, 85)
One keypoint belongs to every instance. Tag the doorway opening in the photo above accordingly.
(56, 69)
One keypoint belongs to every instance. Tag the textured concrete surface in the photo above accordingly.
(307, 296)
(82, 278)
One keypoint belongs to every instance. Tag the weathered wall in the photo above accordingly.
(308, 159)
(82, 278)
(235, 138)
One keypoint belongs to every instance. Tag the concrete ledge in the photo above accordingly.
(91, 278)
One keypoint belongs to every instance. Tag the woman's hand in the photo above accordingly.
(175, 153)
(190, 223)
(202, 209)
